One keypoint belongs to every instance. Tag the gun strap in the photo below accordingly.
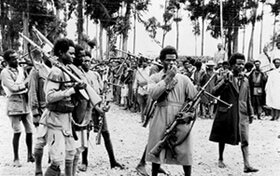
(187, 135)
(84, 124)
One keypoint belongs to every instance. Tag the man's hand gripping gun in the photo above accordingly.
(102, 112)
(185, 116)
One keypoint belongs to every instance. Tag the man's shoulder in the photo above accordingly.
(92, 73)
(4, 73)
(183, 77)
(56, 70)
(5, 70)
(55, 74)
(157, 76)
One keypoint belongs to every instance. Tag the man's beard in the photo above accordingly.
(236, 71)
(66, 59)
(14, 64)
(86, 69)
(78, 61)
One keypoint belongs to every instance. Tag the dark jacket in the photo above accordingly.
(257, 87)
(231, 123)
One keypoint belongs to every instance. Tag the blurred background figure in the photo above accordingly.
(272, 90)
(220, 55)
(257, 81)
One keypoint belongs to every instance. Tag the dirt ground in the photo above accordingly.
(129, 140)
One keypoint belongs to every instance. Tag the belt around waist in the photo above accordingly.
(169, 103)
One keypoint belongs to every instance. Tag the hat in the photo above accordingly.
(210, 63)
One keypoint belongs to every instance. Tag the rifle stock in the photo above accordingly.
(158, 147)
(98, 136)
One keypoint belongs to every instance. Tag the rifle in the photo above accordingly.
(150, 109)
(167, 141)
(101, 117)
(100, 126)
(137, 57)
(89, 94)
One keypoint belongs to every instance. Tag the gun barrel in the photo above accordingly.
(225, 103)
(42, 36)
(126, 53)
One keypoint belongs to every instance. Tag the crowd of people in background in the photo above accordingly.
(123, 80)
(134, 78)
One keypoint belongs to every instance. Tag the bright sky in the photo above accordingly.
(146, 46)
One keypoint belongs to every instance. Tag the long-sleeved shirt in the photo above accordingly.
(94, 79)
(36, 93)
(141, 77)
(220, 56)
(13, 80)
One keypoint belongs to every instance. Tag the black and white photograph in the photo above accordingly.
(140, 87)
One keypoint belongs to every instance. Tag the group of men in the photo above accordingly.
(230, 126)
(51, 98)
(170, 87)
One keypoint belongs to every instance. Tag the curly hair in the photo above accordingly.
(62, 46)
(7, 54)
(234, 57)
(167, 50)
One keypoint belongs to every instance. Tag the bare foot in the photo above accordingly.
(17, 163)
(221, 164)
(141, 169)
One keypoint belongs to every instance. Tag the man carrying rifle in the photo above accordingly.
(140, 84)
(171, 90)
(57, 118)
(83, 108)
(231, 125)
(37, 102)
(95, 81)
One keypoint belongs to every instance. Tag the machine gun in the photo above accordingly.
(169, 139)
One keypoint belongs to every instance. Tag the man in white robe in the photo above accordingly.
(272, 90)
(171, 90)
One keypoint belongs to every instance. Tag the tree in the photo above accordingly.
(151, 26)
(176, 4)
(196, 31)
(104, 13)
(198, 9)
(261, 30)
(39, 15)
(232, 21)
(80, 23)
(252, 5)
(126, 23)
(167, 20)
(275, 10)
(140, 6)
